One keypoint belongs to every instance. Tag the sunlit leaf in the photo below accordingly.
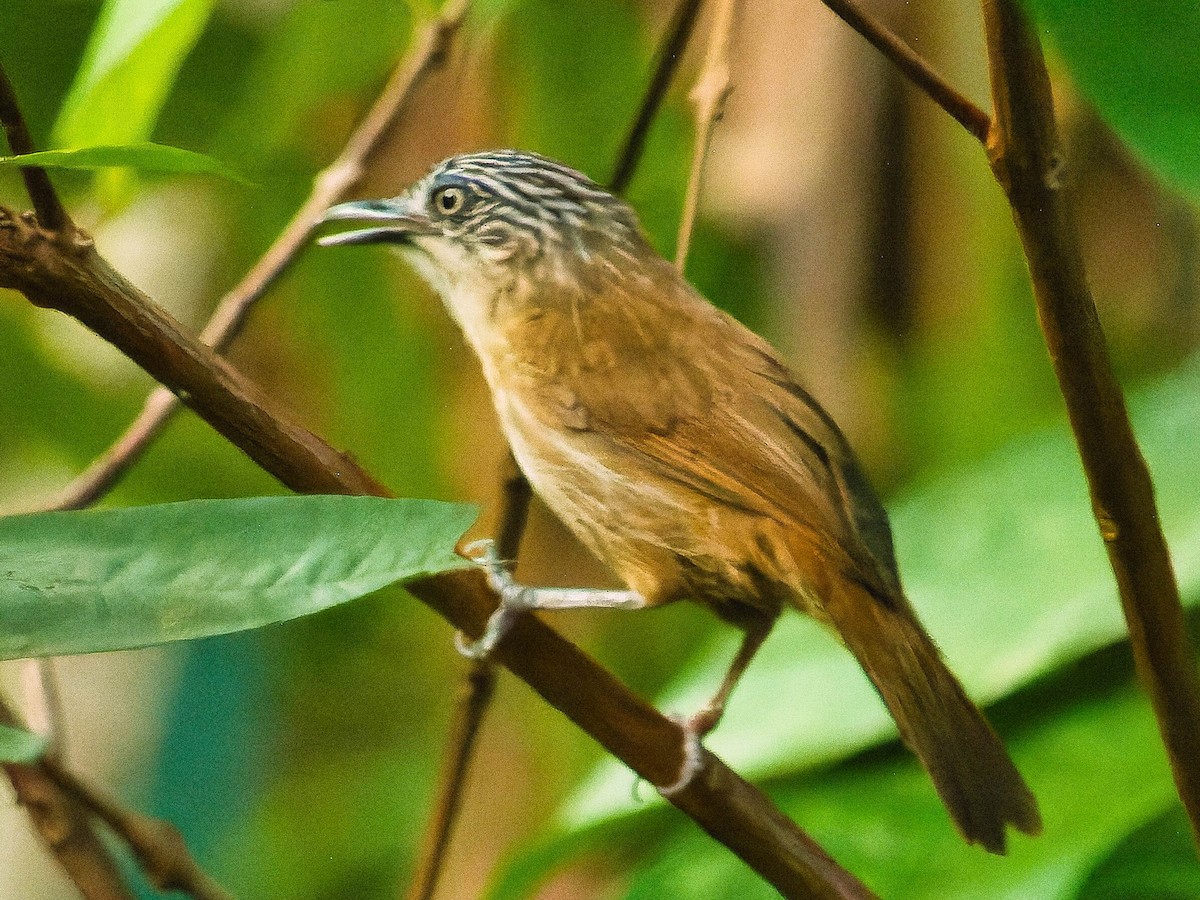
(1096, 765)
(1138, 63)
(143, 156)
(1089, 747)
(1007, 570)
(127, 71)
(20, 746)
(78, 582)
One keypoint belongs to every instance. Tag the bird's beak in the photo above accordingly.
(399, 222)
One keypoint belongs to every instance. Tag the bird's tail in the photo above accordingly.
(970, 768)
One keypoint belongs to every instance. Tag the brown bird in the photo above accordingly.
(678, 447)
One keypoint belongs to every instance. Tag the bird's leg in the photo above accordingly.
(516, 599)
(704, 720)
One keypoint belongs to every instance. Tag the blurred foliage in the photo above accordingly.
(299, 760)
(20, 746)
(1137, 62)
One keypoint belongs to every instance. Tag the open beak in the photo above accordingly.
(398, 222)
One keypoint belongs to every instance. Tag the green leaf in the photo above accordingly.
(1095, 763)
(1138, 63)
(143, 156)
(79, 582)
(1156, 861)
(1005, 566)
(20, 746)
(130, 63)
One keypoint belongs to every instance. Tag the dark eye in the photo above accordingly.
(449, 200)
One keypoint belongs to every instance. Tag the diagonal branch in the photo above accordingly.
(63, 825)
(83, 285)
(157, 844)
(1027, 160)
(914, 67)
(708, 99)
(669, 56)
(49, 208)
(428, 54)
(475, 695)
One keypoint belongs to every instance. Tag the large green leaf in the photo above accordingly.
(1097, 767)
(127, 71)
(143, 156)
(20, 746)
(78, 582)
(1088, 746)
(1156, 861)
(1138, 63)
(1006, 568)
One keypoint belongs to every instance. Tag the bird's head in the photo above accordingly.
(490, 218)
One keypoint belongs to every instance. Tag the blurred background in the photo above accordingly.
(846, 218)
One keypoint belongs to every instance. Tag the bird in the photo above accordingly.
(678, 447)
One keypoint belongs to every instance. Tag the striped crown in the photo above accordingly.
(518, 204)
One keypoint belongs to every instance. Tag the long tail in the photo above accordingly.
(970, 768)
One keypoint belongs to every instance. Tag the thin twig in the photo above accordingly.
(43, 704)
(474, 699)
(428, 54)
(475, 696)
(157, 844)
(1027, 159)
(65, 827)
(667, 61)
(51, 213)
(514, 511)
(918, 71)
(81, 284)
(708, 100)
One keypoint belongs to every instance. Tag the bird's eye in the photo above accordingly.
(449, 200)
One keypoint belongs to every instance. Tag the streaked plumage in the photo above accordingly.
(675, 443)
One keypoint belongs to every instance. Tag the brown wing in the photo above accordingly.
(694, 397)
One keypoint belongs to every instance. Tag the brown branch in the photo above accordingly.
(708, 100)
(50, 210)
(1028, 161)
(157, 844)
(514, 511)
(668, 58)
(914, 67)
(428, 53)
(65, 828)
(474, 699)
(83, 285)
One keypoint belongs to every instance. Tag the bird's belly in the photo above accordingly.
(662, 539)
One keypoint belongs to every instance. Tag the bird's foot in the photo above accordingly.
(515, 599)
(694, 728)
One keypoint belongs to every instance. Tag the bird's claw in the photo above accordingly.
(513, 599)
(693, 756)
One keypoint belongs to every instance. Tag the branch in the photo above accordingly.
(41, 192)
(83, 285)
(914, 67)
(157, 844)
(63, 824)
(669, 56)
(474, 699)
(708, 99)
(1027, 160)
(428, 54)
